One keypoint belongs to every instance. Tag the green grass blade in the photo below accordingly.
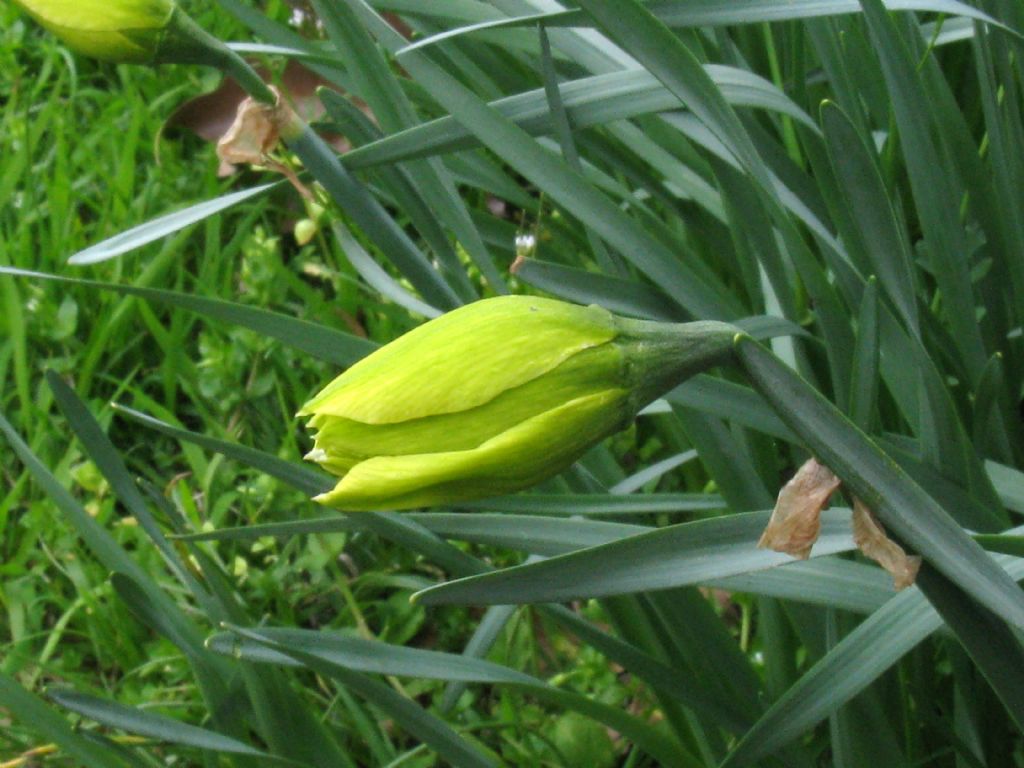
(994, 647)
(167, 622)
(865, 380)
(432, 730)
(997, 430)
(30, 710)
(396, 528)
(652, 473)
(114, 557)
(102, 544)
(485, 635)
(356, 200)
(109, 462)
(378, 278)
(677, 682)
(331, 524)
(656, 673)
(855, 662)
(420, 724)
(325, 343)
(363, 655)
(159, 727)
(409, 533)
(1010, 545)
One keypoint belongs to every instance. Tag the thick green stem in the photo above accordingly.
(185, 42)
(660, 356)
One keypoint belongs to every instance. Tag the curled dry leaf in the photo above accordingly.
(796, 519)
(871, 539)
(254, 133)
(211, 115)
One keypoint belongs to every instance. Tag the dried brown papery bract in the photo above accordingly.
(796, 522)
(796, 519)
(870, 537)
(255, 134)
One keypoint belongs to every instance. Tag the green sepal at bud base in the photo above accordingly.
(494, 397)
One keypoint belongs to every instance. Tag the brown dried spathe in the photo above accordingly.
(871, 538)
(796, 520)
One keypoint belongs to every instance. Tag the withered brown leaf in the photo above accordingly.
(796, 519)
(870, 537)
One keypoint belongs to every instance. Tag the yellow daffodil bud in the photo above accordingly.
(494, 397)
(112, 30)
(130, 31)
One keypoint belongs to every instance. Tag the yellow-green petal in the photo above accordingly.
(522, 456)
(343, 442)
(115, 30)
(100, 15)
(107, 46)
(463, 359)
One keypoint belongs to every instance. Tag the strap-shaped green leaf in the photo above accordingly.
(571, 190)
(709, 13)
(934, 184)
(165, 225)
(852, 665)
(29, 710)
(689, 553)
(588, 101)
(158, 727)
(876, 237)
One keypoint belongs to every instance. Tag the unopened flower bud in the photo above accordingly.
(494, 397)
(125, 30)
(128, 31)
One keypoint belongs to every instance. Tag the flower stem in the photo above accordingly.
(185, 42)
